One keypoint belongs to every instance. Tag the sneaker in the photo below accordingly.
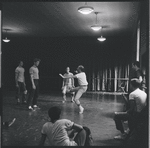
(35, 106)
(121, 137)
(30, 107)
(81, 110)
(63, 101)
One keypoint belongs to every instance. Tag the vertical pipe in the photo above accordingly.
(138, 43)
(106, 79)
(127, 76)
(93, 81)
(98, 81)
(115, 80)
(103, 80)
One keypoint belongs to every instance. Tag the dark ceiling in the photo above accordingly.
(57, 19)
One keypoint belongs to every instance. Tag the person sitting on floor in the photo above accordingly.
(57, 131)
(137, 101)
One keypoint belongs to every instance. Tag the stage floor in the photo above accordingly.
(98, 116)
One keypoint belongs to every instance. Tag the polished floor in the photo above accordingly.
(98, 116)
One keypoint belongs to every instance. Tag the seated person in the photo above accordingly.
(137, 101)
(57, 131)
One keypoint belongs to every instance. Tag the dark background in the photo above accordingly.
(58, 53)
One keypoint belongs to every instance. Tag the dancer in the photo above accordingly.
(34, 77)
(82, 81)
(20, 82)
(67, 85)
(57, 131)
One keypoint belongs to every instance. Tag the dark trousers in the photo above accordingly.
(80, 138)
(21, 87)
(33, 93)
(122, 116)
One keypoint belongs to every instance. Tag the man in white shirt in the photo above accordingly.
(34, 77)
(137, 101)
(20, 82)
(67, 85)
(83, 84)
(57, 131)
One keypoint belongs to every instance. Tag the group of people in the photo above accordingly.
(31, 101)
(137, 102)
(60, 131)
(67, 86)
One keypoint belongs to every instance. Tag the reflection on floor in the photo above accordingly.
(98, 116)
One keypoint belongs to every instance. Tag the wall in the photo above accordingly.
(144, 49)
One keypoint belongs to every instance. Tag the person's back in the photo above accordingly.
(57, 132)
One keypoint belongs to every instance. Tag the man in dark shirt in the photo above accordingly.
(137, 72)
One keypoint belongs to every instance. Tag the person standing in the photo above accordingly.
(67, 85)
(83, 85)
(137, 72)
(20, 82)
(34, 91)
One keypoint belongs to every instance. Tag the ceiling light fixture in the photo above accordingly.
(6, 40)
(96, 27)
(101, 39)
(85, 9)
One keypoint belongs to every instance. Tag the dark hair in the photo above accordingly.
(137, 63)
(54, 113)
(36, 59)
(81, 67)
(135, 83)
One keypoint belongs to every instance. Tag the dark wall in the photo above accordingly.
(57, 53)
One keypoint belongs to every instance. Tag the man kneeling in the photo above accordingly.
(57, 131)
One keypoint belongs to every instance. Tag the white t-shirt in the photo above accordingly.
(81, 78)
(69, 80)
(140, 99)
(35, 72)
(20, 71)
(57, 132)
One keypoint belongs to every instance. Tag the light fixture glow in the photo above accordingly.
(6, 40)
(85, 9)
(101, 39)
(96, 27)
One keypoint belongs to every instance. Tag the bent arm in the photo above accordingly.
(66, 77)
(132, 107)
(77, 127)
